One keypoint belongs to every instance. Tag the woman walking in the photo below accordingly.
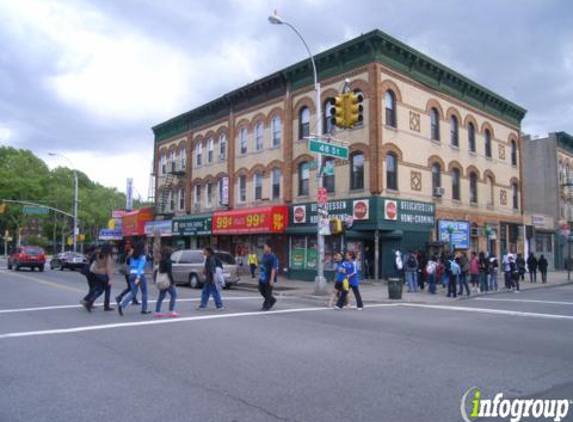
(125, 272)
(210, 287)
(339, 277)
(352, 274)
(137, 279)
(542, 264)
(101, 270)
(165, 268)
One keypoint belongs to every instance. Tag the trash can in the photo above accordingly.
(395, 288)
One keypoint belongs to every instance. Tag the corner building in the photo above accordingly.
(434, 149)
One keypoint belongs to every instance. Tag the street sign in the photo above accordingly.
(332, 150)
(35, 211)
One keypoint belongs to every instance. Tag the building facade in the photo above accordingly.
(434, 149)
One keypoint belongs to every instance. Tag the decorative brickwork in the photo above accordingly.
(416, 180)
(501, 150)
(414, 121)
(503, 197)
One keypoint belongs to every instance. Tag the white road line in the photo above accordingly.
(173, 321)
(487, 311)
(549, 302)
(50, 308)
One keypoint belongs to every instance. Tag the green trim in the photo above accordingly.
(565, 141)
(373, 47)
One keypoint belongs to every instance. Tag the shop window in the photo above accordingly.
(435, 124)
(328, 178)
(222, 147)
(276, 183)
(303, 122)
(210, 150)
(243, 135)
(357, 170)
(303, 178)
(391, 171)
(390, 106)
(456, 184)
(473, 188)
(471, 137)
(276, 127)
(258, 183)
(242, 189)
(327, 122)
(454, 132)
(259, 132)
(487, 136)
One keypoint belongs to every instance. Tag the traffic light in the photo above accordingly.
(338, 111)
(354, 109)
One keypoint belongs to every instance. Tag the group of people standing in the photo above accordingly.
(456, 272)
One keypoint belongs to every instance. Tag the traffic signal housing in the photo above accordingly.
(338, 111)
(354, 109)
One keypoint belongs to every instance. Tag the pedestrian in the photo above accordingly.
(474, 272)
(532, 267)
(482, 264)
(90, 255)
(165, 269)
(493, 269)
(137, 279)
(368, 263)
(432, 270)
(339, 276)
(210, 285)
(520, 262)
(506, 262)
(464, 264)
(101, 270)
(351, 270)
(125, 272)
(542, 265)
(253, 263)
(453, 271)
(515, 274)
(442, 271)
(268, 276)
(411, 270)
(398, 264)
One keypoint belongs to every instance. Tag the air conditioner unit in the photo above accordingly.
(474, 231)
(439, 192)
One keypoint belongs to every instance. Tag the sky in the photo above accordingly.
(88, 79)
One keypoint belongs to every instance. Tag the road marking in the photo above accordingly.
(549, 302)
(45, 282)
(173, 321)
(487, 311)
(50, 308)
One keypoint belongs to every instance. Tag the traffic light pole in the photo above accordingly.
(320, 281)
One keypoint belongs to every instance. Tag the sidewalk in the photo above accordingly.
(377, 292)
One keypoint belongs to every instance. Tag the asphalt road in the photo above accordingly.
(300, 362)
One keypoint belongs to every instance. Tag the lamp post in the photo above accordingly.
(319, 281)
(75, 235)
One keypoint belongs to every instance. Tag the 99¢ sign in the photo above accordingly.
(263, 220)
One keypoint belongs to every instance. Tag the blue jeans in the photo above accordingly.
(133, 293)
(172, 292)
(463, 281)
(100, 282)
(208, 290)
(412, 281)
(493, 281)
(432, 284)
(483, 282)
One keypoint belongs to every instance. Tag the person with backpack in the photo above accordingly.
(493, 269)
(542, 264)
(431, 271)
(351, 270)
(514, 274)
(462, 259)
(165, 268)
(532, 267)
(411, 271)
(453, 270)
(137, 279)
(520, 262)
(210, 285)
(268, 276)
(506, 262)
(101, 270)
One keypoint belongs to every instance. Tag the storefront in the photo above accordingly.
(373, 227)
(193, 231)
(540, 239)
(161, 227)
(133, 223)
(242, 231)
(456, 234)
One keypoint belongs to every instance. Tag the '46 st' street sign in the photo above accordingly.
(333, 150)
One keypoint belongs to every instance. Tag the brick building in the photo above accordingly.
(434, 151)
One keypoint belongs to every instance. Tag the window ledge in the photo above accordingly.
(395, 191)
(489, 158)
(472, 153)
(389, 127)
(276, 146)
(352, 190)
(474, 205)
(303, 196)
(436, 142)
(457, 201)
(455, 147)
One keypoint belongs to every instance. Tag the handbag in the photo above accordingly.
(162, 281)
(345, 284)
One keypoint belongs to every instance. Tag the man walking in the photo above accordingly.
(253, 263)
(532, 267)
(267, 276)
(411, 270)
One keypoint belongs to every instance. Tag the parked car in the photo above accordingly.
(188, 267)
(69, 260)
(27, 256)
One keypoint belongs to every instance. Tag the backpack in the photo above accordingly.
(454, 268)
(431, 268)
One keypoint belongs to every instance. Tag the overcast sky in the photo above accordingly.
(89, 79)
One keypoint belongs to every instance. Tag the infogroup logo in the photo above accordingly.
(513, 409)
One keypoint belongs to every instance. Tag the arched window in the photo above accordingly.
(390, 105)
(327, 123)
(209, 195)
(391, 171)
(491, 187)
(182, 159)
(473, 188)
(303, 178)
(456, 184)
(276, 183)
(515, 196)
(171, 200)
(487, 135)
(210, 150)
(259, 131)
(258, 186)
(197, 196)
(357, 170)
(454, 138)
(242, 189)
(223, 191)
(181, 199)
(471, 137)
(436, 178)
(163, 164)
(172, 160)
(243, 139)
(513, 153)
(328, 175)
(360, 96)
(198, 153)
(303, 122)
(276, 128)
(435, 124)
(222, 147)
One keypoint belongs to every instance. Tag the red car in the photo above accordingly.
(27, 256)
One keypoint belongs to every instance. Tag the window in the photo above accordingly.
(513, 153)
(276, 183)
(390, 104)
(210, 150)
(276, 128)
(181, 199)
(188, 257)
(327, 123)
(328, 175)
(454, 132)
(197, 195)
(172, 160)
(491, 191)
(303, 178)
(391, 171)
(515, 196)
(198, 153)
(436, 177)
(222, 189)
(243, 140)
(471, 137)
(303, 122)
(209, 195)
(360, 96)
(259, 131)
(487, 135)
(258, 182)
(435, 123)
(222, 147)
(357, 170)
(163, 169)
(473, 188)
(243, 188)
(456, 184)
(182, 159)
(170, 204)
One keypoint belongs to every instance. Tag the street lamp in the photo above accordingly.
(53, 154)
(319, 281)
